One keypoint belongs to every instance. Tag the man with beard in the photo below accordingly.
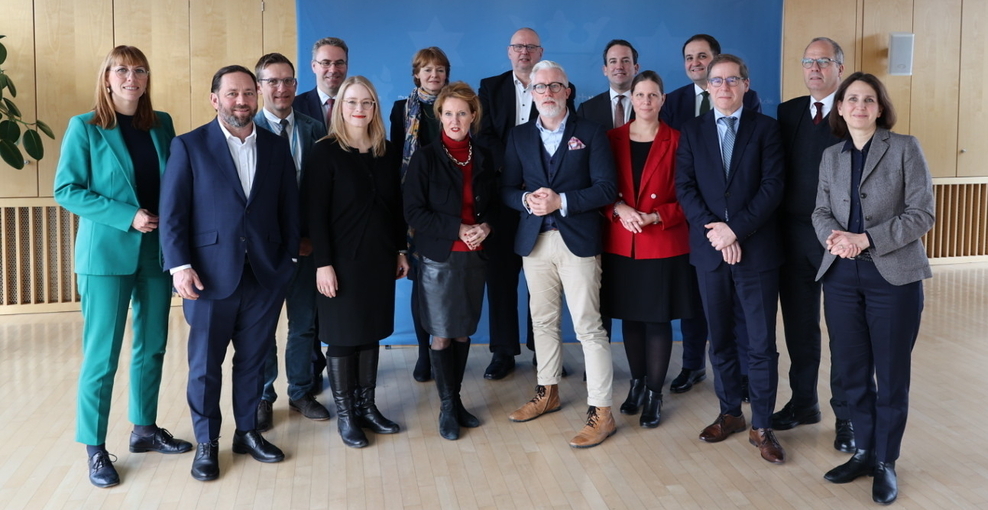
(229, 236)
(558, 173)
(330, 60)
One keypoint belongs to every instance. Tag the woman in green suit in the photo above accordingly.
(109, 175)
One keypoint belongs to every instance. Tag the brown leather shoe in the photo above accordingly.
(546, 400)
(724, 426)
(768, 445)
(600, 426)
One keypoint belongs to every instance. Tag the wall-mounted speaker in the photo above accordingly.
(901, 53)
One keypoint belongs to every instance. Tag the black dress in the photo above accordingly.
(354, 213)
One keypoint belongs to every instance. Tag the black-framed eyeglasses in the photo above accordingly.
(731, 81)
(554, 87)
(822, 62)
(326, 64)
(522, 47)
(274, 82)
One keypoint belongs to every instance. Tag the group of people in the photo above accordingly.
(639, 205)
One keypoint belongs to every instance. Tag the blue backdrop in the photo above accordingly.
(383, 36)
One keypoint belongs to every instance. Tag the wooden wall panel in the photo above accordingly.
(935, 81)
(222, 32)
(972, 126)
(879, 18)
(72, 37)
(279, 31)
(802, 22)
(161, 31)
(18, 26)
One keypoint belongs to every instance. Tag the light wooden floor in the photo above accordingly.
(501, 464)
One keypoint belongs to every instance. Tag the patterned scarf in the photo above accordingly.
(417, 100)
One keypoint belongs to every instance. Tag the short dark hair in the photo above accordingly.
(215, 87)
(714, 45)
(727, 57)
(621, 42)
(887, 115)
(330, 41)
(272, 58)
(649, 75)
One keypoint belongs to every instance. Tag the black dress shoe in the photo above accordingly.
(563, 371)
(686, 379)
(501, 365)
(206, 465)
(745, 394)
(651, 410)
(253, 442)
(790, 416)
(861, 464)
(265, 419)
(161, 441)
(885, 488)
(636, 396)
(309, 407)
(844, 440)
(101, 471)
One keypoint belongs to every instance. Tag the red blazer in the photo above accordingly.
(657, 193)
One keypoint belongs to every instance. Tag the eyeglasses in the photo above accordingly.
(522, 47)
(732, 81)
(274, 82)
(541, 87)
(138, 72)
(364, 105)
(326, 64)
(822, 62)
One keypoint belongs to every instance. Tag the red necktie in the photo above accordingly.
(619, 112)
(329, 112)
(818, 118)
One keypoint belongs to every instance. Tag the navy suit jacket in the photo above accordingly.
(680, 105)
(584, 171)
(208, 222)
(308, 103)
(598, 109)
(747, 199)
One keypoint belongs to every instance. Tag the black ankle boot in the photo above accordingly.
(461, 351)
(636, 395)
(885, 488)
(651, 410)
(861, 463)
(341, 383)
(364, 407)
(444, 372)
(423, 369)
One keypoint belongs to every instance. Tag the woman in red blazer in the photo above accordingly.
(646, 273)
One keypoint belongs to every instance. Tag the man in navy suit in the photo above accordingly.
(277, 83)
(330, 61)
(229, 233)
(612, 108)
(507, 102)
(558, 173)
(682, 105)
(806, 133)
(729, 180)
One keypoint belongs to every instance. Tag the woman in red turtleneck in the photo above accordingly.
(450, 192)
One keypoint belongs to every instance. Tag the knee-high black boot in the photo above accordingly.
(365, 409)
(461, 351)
(341, 381)
(444, 372)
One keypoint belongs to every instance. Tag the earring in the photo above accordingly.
(108, 88)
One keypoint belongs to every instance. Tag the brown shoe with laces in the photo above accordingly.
(767, 444)
(600, 426)
(546, 400)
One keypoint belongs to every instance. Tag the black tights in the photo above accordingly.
(649, 347)
(342, 351)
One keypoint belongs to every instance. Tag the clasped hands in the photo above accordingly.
(723, 239)
(543, 201)
(144, 221)
(633, 220)
(846, 245)
(473, 235)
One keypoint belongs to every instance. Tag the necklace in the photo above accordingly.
(469, 155)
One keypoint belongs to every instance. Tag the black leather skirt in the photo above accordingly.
(451, 294)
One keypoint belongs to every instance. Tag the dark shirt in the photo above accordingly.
(855, 222)
(147, 174)
(639, 153)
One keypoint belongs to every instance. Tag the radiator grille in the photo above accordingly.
(36, 246)
(961, 229)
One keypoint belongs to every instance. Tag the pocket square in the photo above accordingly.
(575, 144)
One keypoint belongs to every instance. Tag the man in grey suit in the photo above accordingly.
(612, 108)
(277, 83)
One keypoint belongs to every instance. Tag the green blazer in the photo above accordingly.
(95, 180)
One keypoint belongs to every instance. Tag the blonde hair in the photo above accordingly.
(460, 90)
(106, 115)
(375, 129)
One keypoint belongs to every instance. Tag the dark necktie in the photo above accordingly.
(818, 118)
(619, 111)
(727, 146)
(329, 112)
(705, 102)
(284, 128)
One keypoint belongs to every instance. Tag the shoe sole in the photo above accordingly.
(582, 447)
(688, 387)
(206, 478)
(536, 416)
(243, 450)
(106, 485)
(299, 411)
(163, 452)
(717, 440)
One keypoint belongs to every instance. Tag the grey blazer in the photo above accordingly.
(896, 202)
